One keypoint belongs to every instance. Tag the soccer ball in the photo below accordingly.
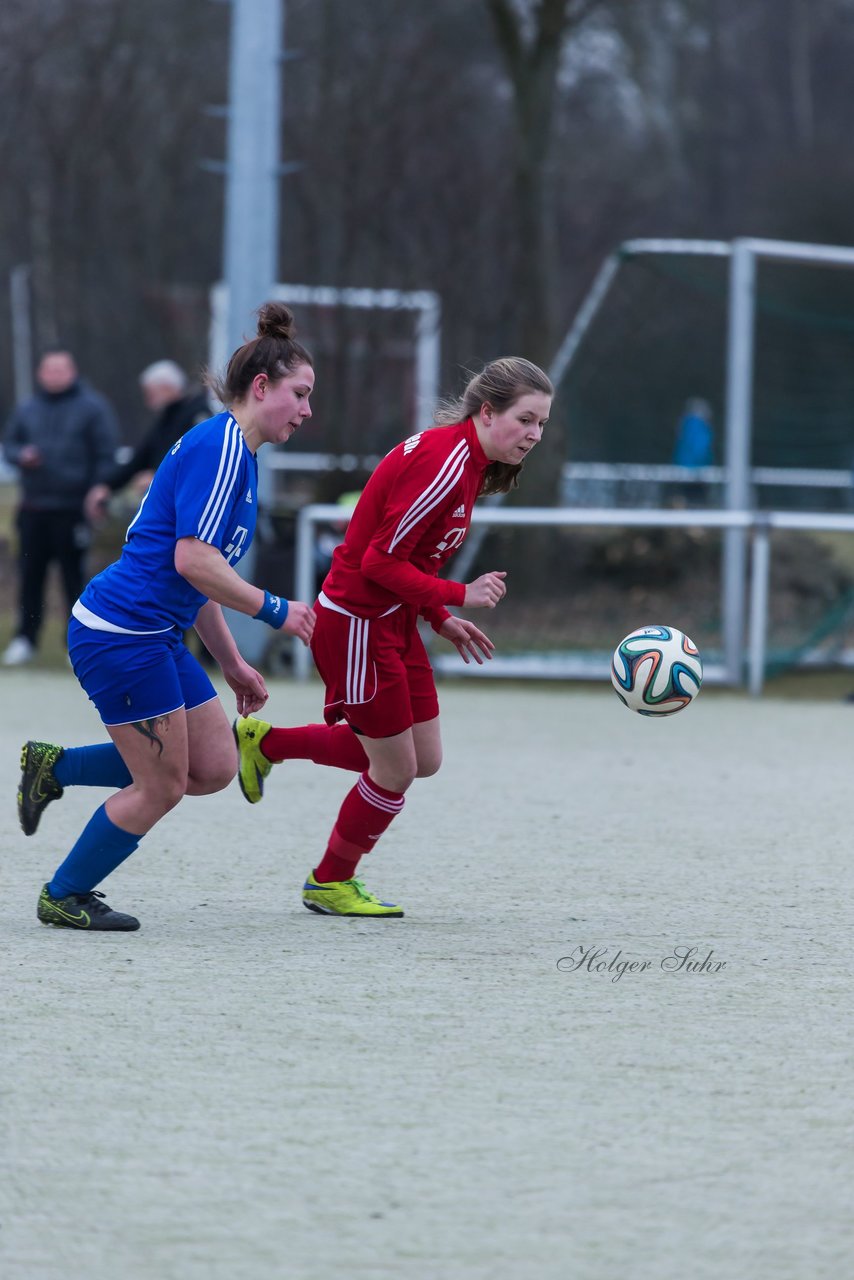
(656, 671)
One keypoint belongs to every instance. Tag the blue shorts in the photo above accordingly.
(132, 678)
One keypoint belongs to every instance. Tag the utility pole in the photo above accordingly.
(252, 175)
(250, 247)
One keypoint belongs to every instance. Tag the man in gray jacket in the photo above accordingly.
(62, 440)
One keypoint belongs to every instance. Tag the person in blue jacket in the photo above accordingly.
(694, 437)
(170, 734)
(694, 443)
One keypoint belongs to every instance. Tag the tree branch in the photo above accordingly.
(508, 34)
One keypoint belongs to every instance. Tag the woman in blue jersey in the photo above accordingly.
(170, 734)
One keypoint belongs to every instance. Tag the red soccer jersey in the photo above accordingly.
(411, 517)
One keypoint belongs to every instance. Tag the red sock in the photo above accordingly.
(365, 814)
(336, 745)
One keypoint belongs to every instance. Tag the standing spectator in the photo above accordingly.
(62, 440)
(177, 407)
(693, 446)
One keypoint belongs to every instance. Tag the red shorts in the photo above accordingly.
(377, 674)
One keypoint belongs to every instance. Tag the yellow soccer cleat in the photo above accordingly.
(346, 898)
(253, 766)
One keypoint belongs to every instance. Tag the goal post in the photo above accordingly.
(745, 257)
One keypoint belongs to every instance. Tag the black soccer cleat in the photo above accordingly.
(82, 911)
(38, 784)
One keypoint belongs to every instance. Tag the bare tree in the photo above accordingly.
(531, 38)
(112, 211)
(492, 150)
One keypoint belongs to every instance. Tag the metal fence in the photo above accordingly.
(751, 657)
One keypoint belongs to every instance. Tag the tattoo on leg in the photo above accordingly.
(148, 729)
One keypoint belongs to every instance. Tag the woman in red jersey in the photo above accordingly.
(381, 711)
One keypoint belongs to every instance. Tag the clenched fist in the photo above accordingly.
(300, 621)
(485, 591)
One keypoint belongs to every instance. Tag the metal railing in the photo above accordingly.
(752, 657)
(635, 472)
(779, 477)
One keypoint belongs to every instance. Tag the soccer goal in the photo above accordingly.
(552, 636)
(404, 330)
(377, 354)
(778, 364)
(762, 330)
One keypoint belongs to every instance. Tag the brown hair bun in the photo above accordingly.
(275, 320)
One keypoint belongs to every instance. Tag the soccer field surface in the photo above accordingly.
(531, 1075)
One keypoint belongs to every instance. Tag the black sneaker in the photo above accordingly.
(82, 911)
(38, 785)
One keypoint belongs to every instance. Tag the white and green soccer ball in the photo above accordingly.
(656, 671)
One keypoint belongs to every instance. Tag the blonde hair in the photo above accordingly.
(500, 384)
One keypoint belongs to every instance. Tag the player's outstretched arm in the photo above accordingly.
(205, 569)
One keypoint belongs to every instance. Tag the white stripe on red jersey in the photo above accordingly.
(411, 517)
(434, 493)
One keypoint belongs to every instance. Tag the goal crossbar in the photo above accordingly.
(424, 305)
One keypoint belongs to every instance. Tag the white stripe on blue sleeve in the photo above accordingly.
(229, 466)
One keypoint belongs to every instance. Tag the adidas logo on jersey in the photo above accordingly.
(249, 496)
(459, 514)
(409, 445)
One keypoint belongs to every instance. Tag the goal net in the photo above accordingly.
(377, 355)
(653, 335)
(657, 339)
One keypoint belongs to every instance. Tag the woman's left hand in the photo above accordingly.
(468, 638)
(248, 685)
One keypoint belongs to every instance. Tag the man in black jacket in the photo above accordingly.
(62, 440)
(177, 408)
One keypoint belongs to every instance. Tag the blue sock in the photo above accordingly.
(102, 846)
(96, 766)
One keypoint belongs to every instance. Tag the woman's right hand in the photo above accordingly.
(300, 621)
(485, 591)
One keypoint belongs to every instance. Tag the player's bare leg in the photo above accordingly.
(392, 762)
(156, 752)
(427, 739)
(211, 753)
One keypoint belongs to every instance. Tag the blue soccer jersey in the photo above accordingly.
(207, 488)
